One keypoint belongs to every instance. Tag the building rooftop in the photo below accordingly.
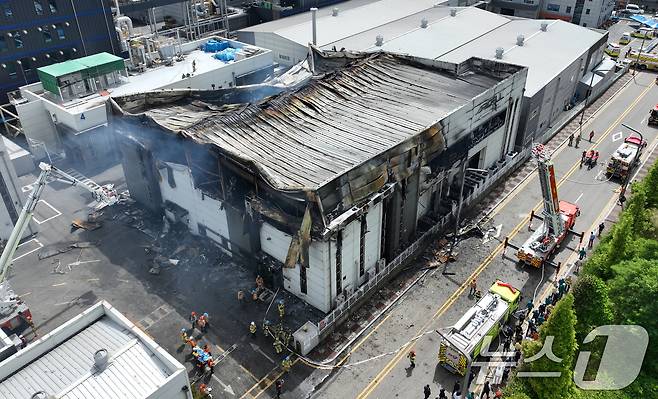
(443, 33)
(62, 363)
(543, 64)
(304, 139)
(376, 12)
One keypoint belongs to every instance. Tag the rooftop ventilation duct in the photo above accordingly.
(499, 52)
(544, 26)
(101, 358)
(423, 23)
(379, 40)
(335, 11)
(314, 12)
(519, 40)
(453, 12)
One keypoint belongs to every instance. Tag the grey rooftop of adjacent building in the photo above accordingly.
(64, 362)
(452, 34)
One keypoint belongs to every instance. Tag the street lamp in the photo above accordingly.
(459, 210)
(639, 52)
(589, 92)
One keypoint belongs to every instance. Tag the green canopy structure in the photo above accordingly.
(91, 66)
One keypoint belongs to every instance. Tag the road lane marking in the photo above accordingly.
(578, 199)
(396, 359)
(57, 213)
(39, 246)
(617, 136)
(58, 285)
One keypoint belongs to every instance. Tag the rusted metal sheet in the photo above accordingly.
(298, 250)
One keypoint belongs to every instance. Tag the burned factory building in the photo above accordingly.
(326, 182)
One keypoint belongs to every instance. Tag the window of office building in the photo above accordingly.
(568, 9)
(26, 63)
(53, 6)
(10, 67)
(60, 31)
(553, 7)
(3, 44)
(587, 11)
(7, 11)
(38, 7)
(18, 40)
(47, 36)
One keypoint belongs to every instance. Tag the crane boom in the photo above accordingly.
(104, 195)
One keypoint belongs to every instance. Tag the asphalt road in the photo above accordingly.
(376, 367)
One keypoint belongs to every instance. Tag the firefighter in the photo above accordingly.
(266, 328)
(286, 364)
(183, 335)
(205, 390)
(254, 295)
(252, 329)
(193, 319)
(240, 297)
(278, 347)
(412, 358)
(282, 309)
(478, 295)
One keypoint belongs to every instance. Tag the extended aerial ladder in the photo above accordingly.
(558, 218)
(12, 309)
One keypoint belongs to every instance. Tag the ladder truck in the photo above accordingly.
(558, 218)
(13, 311)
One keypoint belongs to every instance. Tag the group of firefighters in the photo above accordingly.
(202, 356)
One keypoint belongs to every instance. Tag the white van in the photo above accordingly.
(633, 9)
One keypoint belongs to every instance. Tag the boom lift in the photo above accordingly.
(558, 219)
(13, 311)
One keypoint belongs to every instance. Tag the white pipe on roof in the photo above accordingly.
(314, 12)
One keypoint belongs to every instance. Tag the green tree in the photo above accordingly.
(633, 292)
(561, 326)
(592, 305)
(651, 184)
(637, 209)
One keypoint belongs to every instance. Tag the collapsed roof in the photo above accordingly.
(342, 133)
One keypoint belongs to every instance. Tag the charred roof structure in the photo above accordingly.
(327, 178)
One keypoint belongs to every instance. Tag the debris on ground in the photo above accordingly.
(85, 225)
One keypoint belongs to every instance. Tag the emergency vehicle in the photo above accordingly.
(13, 311)
(625, 38)
(613, 50)
(644, 61)
(626, 157)
(653, 116)
(643, 33)
(558, 216)
(485, 318)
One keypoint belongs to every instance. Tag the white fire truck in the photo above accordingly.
(626, 157)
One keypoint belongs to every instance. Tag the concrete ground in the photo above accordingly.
(63, 271)
(377, 368)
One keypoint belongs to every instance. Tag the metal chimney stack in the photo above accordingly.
(544, 26)
(499, 52)
(423, 23)
(314, 16)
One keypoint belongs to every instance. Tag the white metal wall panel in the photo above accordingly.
(373, 236)
(350, 254)
(275, 243)
(201, 208)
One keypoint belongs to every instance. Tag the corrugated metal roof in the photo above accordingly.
(68, 370)
(305, 139)
(539, 51)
